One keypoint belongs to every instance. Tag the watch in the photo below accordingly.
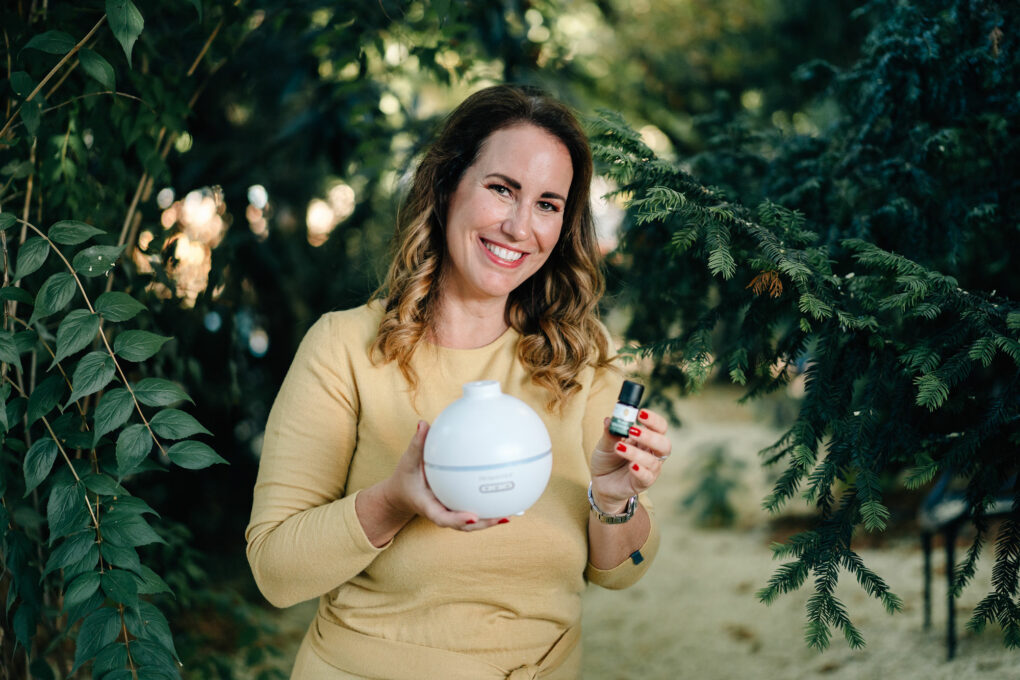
(609, 518)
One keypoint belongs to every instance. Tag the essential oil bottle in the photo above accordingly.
(626, 410)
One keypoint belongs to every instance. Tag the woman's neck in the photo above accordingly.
(465, 324)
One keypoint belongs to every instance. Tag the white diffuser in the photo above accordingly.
(488, 453)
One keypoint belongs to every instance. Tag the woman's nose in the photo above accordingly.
(516, 224)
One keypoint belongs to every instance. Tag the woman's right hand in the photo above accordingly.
(396, 500)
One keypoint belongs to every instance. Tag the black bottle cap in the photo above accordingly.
(631, 392)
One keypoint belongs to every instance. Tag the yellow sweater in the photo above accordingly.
(501, 597)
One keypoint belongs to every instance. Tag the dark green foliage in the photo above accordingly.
(907, 368)
(74, 409)
(717, 476)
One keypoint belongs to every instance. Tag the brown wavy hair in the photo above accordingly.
(555, 310)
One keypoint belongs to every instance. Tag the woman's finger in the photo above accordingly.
(654, 442)
(652, 421)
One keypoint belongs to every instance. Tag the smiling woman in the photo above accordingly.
(496, 277)
(500, 230)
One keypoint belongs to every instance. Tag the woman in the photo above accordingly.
(496, 277)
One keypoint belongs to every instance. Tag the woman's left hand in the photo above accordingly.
(624, 467)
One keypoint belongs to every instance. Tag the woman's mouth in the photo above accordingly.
(501, 254)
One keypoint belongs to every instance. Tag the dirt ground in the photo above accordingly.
(695, 614)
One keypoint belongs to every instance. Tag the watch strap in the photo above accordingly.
(610, 518)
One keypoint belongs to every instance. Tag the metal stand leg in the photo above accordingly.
(950, 535)
(926, 550)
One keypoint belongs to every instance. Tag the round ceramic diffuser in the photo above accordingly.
(488, 453)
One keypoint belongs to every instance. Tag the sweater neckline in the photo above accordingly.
(506, 336)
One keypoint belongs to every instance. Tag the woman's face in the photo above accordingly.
(506, 213)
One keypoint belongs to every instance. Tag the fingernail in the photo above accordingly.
(635, 467)
(643, 415)
(634, 432)
(503, 521)
(470, 521)
(621, 447)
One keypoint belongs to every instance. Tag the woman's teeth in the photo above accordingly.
(503, 253)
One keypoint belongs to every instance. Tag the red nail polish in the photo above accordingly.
(643, 415)
(634, 432)
(635, 467)
(621, 447)
(503, 521)
(470, 521)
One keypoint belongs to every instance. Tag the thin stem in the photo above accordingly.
(97, 94)
(53, 71)
(205, 48)
(56, 85)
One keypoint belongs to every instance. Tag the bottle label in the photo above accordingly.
(625, 412)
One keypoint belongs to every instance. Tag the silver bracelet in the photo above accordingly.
(609, 518)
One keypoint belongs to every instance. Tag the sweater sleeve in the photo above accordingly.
(605, 389)
(304, 538)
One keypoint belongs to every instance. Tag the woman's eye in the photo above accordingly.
(548, 207)
(499, 189)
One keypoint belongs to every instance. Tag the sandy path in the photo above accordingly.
(695, 615)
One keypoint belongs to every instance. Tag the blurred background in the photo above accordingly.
(288, 130)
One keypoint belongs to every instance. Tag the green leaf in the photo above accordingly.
(72, 549)
(126, 22)
(124, 557)
(9, 350)
(53, 296)
(38, 462)
(138, 345)
(5, 391)
(1012, 319)
(104, 485)
(98, 67)
(114, 306)
(150, 583)
(51, 42)
(159, 392)
(88, 562)
(174, 424)
(76, 331)
(81, 609)
(7, 220)
(93, 373)
(120, 586)
(128, 530)
(71, 232)
(99, 629)
(25, 622)
(81, 589)
(152, 625)
(113, 411)
(193, 455)
(66, 509)
(31, 256)
(198, 8)
(155, 661)
(31, 115)
(111, 663)
(133, 445)
(17, 294)
(44, 397)
(22, 84)
(96, 260)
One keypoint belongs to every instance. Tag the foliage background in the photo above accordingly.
(889, 122)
